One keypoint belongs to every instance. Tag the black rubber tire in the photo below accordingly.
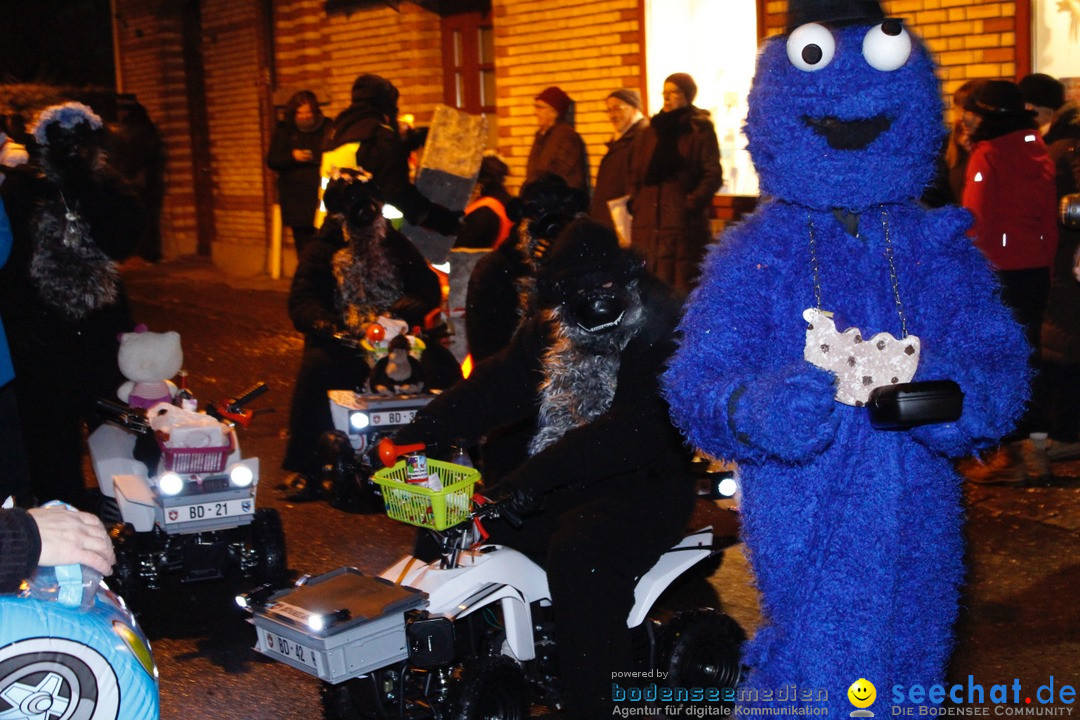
(350, 700)
(269, 538)
(702, 649)
(492, 688)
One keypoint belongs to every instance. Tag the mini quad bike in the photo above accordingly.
(188, 512)
(468, 636)
(347, 453)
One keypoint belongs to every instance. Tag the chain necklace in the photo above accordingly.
(888, 256)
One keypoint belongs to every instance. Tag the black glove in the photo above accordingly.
(323, 329)
(519, 500)
(415, 138)
(443, 221)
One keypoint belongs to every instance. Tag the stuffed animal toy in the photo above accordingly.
(839, 283)
(148, 360)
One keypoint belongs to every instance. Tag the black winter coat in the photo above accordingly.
(613, 176)
(383, 154)
(671, 219)
(1061, 324)
(297, 182)
(560, 151)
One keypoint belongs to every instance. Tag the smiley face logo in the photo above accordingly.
(862, 693)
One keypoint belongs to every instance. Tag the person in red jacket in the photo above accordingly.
(1010, 190)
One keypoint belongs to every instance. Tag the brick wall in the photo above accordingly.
(588, 48)
(969, 38)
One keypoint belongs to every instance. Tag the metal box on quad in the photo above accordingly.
(184, 512)
(468, 635)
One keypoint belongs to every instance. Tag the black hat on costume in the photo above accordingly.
(1042, 90)
(834, 12)
(583, 254)
(998, 98)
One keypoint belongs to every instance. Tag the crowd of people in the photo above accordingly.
(570, 316)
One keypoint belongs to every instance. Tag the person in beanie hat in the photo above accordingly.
(674, 173)
(598, 510)
(557, 148)
(371, 121)
(1060, 122)
(73, 218)
(613, 175)
(1044, 95)
(855, 534)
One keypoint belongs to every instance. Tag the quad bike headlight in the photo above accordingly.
(241, 476)
(359, 420)
(171, 484)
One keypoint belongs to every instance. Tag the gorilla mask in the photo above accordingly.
(592, 282)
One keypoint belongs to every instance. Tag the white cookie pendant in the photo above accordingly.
(860, 365)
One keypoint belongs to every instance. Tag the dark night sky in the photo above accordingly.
(63, 42)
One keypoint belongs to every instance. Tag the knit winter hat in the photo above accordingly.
(1043, 91)
(630, 96)
(685, 83)
(998, 98)
(376, 91)
(557, 99)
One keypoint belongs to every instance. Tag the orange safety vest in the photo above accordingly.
(498, 209)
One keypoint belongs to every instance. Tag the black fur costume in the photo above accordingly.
(62, 300)
(606, 466)
(349, 274)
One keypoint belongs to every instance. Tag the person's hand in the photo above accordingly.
(70, 537)
(302, 155)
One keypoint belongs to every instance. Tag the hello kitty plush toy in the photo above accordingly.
(148, 360)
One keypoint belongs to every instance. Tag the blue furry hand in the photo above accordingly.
(789, 415)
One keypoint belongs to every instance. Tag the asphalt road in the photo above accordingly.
(1020, 619)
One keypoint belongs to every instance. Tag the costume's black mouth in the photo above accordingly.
(848, 134)
(603, 326)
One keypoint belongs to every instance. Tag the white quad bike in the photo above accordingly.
(191, 513)
(469, 636)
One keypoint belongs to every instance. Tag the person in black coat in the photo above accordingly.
(356, 269)
(371, 121)
(295, 154)
(61, 296)
(605, 476)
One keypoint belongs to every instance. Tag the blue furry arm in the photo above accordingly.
(738, 385)
(968, 336)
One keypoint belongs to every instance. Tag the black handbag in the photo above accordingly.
(908, 405)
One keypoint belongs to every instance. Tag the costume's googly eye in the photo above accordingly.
(811, 47)
(887, 46)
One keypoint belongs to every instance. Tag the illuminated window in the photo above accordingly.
(716, 42)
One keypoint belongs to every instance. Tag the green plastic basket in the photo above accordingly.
(422, 506)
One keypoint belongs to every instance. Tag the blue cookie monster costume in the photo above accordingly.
(854, 533)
